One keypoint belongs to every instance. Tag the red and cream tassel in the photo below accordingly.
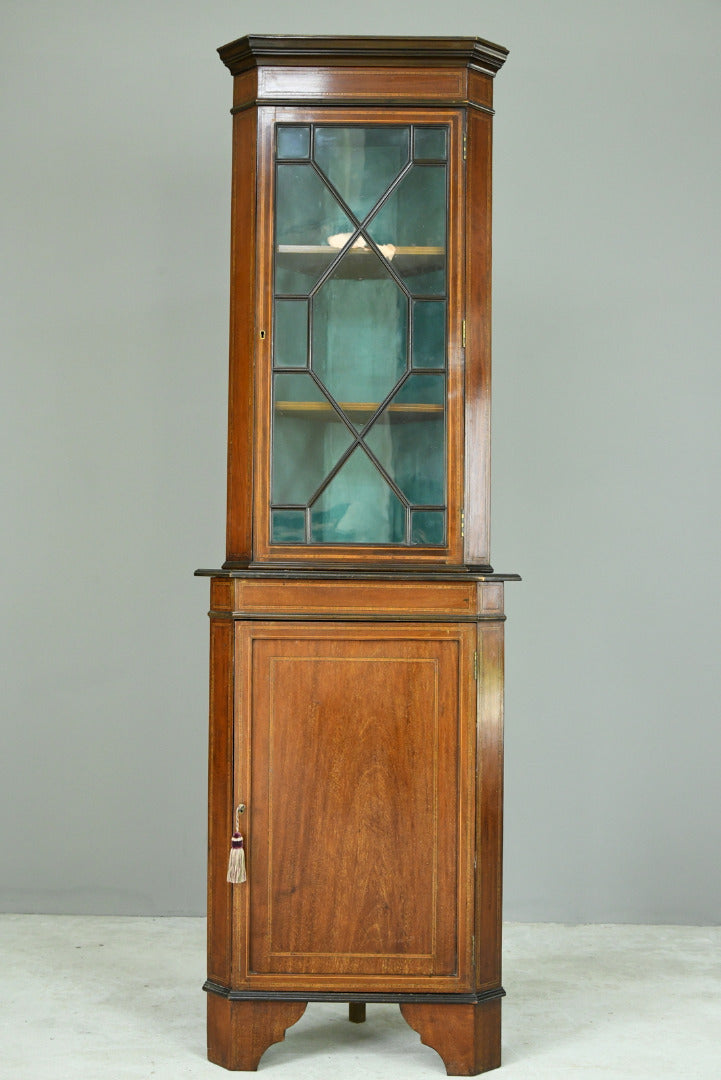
(236, 862)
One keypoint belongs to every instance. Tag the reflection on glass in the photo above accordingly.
(361, 162)
(429, 143)
(306, 215)
(429, 334)
(428, 527)
(293, 140)
(357, 507)
(360, 331)
(414, 217)
(308, 439)
(287, 526)
(290, 340)
(422, 390)
(409, 438)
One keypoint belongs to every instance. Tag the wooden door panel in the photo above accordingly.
(355, 553)
(357, 820)
(345, 733)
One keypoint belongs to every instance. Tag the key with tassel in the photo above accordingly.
(236, 862)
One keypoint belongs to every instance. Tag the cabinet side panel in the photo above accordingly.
(245, 89)
(242, 337)
(220, 778)
(480, 89)
(478, 339)
(489, 803)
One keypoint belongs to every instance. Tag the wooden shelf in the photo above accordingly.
(304, 408)
(357, 263)
(324, 249)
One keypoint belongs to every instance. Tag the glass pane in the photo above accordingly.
(293, 140)
(306, 215)
(308, 439)
(423, 390)
(408, 439)
(429, 143)
(428, 527)
(287, 526)
(361, 162)
(360, 334)
(358, 507)
(429, 334)
(359, 325)
(290, 341)
(413, 220)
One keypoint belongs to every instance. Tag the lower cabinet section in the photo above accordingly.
(366, 758)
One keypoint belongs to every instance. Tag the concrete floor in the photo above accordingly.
(89, 998)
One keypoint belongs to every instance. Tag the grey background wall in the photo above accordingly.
(115, 184)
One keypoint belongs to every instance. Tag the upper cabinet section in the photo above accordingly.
(272, 69)
(358, 412)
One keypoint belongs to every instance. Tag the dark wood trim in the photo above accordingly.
(380, 617)
(311, 102)
(256, 50)
(470, 573)
(233, 564)
(481, 108)
(212, 987)
(357, 1012)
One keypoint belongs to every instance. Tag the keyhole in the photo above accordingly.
(262, 334)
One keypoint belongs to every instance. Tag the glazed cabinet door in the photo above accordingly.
(360, 367)
(355, 758)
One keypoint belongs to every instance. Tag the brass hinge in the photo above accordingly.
(463, 333)
(463, 523)
(465, 145)
(475, 666)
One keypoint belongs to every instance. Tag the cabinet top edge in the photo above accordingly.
(298, 574)
(257, 50)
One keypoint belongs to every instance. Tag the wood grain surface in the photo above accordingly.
(239, 1032)
(467, 1037)
(360, 825)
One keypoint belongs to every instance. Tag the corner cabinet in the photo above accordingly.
(356, 624)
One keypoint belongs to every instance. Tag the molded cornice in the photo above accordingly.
(257, 50)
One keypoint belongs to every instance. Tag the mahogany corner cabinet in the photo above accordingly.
(356, 626)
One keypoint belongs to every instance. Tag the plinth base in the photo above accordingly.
(466, 1034)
